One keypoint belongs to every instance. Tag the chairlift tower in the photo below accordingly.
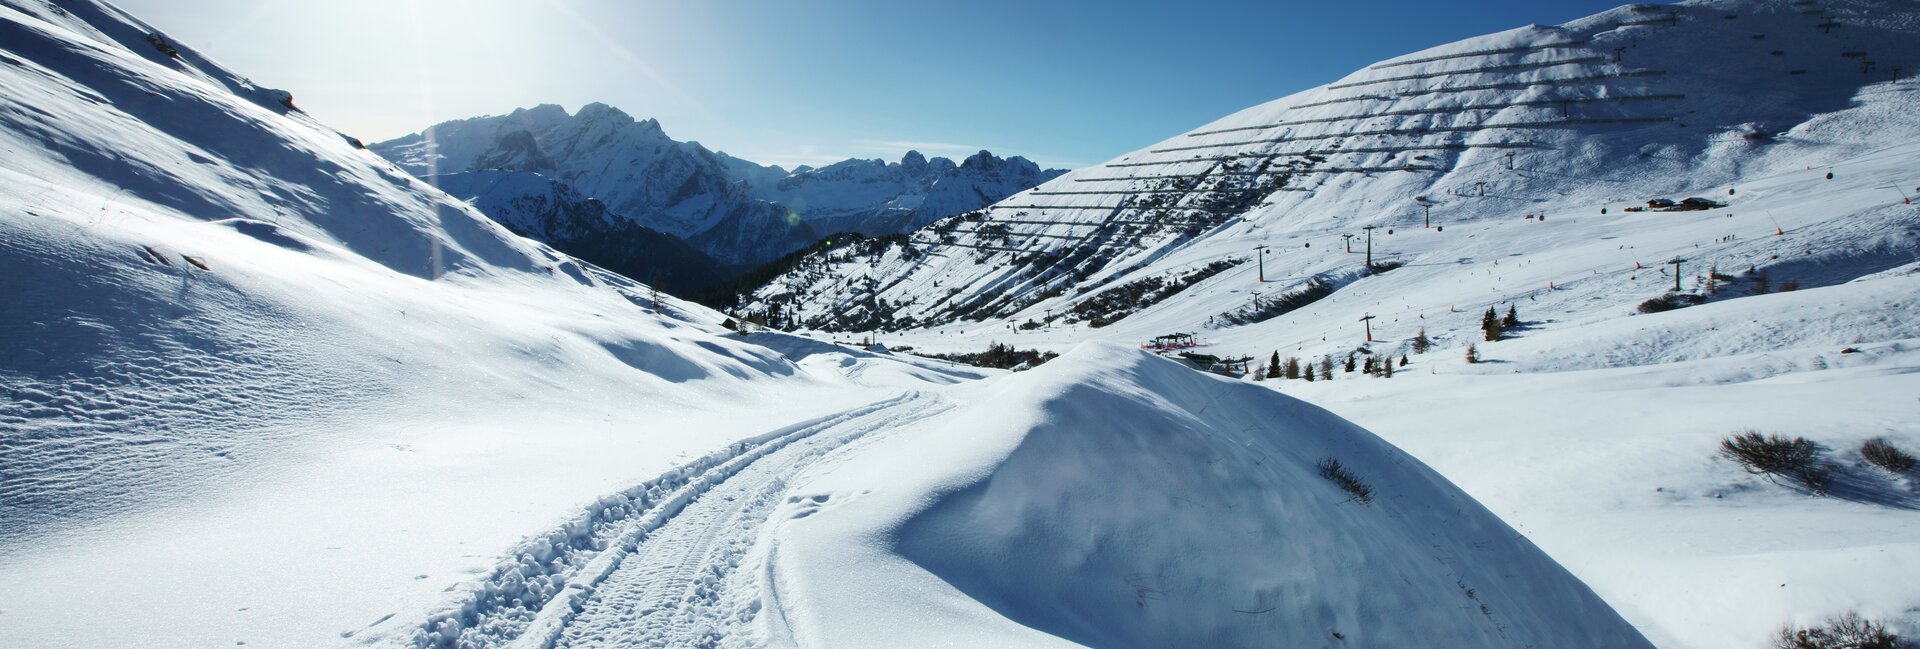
(1370, 230)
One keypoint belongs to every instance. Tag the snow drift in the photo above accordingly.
(1113, 499)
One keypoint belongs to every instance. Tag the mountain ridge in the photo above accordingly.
(735, 210)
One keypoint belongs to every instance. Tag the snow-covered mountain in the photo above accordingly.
(1603, 113)
(547, 210)
(680, 188)
(737, 211)
(875, 198)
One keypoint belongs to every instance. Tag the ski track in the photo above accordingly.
(670, 577)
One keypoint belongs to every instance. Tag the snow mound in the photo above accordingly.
(1113, 499)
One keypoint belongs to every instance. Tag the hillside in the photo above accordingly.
(259, 385)
(1580, 120)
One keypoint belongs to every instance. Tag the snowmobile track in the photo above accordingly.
(657, 581)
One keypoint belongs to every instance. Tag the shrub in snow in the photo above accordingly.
(1339, 475)
(1885, 455)
(1797, 458)
(1670, 302)
(1848, 631)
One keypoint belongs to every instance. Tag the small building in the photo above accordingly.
(1171, 341)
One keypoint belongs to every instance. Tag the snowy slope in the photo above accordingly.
(1642, 102)
(1113, 499)
(258, 385)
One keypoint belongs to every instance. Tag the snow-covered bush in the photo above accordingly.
(1885, 455)
(1848, 631)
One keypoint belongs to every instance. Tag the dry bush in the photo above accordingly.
(1797, 458)
(1848, 631)
(1332, 470)
(1885, 455)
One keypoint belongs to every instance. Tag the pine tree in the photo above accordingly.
(1386, 370)
(1309, 374)
(1326, 367)
(1273, 365)
(1403, 360)
(1421, 343)
(1349, 364)
(1490, 325)
(1293, 368)
(1371, 365)
(1512, 320)
(1473, 354)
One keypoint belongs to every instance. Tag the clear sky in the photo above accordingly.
(1066, 83)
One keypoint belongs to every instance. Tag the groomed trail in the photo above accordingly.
(679, 570)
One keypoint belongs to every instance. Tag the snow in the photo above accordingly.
(1113, 499)
(274, 390)
(367, 396)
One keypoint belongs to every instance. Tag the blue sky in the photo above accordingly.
(1065, 83)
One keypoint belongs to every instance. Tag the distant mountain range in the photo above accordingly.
(737, 212)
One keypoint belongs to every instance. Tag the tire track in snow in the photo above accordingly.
(530, 599)
(684, 587)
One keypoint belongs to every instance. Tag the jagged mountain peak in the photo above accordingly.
(739, 212)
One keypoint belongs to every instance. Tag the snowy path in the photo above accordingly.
(675, 581)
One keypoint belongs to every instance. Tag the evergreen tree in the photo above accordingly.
(1386, 370)
(1490, 324)
(1273, 365)
(1326, 367)
(1473, 354)
(1403, 360)
(1293, 368)
(1349, 364)
(1421, 343)
(1309, 374)
(1371, 365)
(1512, 320)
